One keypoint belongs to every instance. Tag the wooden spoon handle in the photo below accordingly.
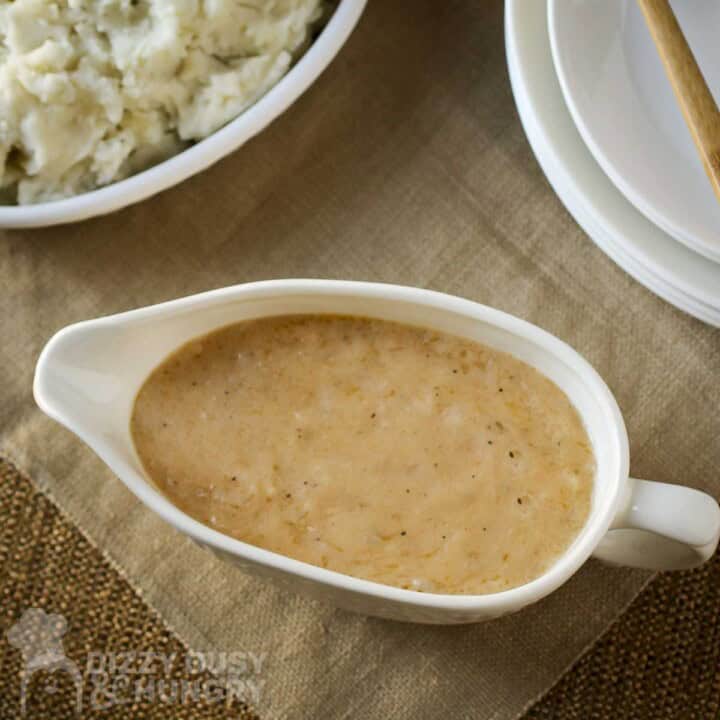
(693, 95)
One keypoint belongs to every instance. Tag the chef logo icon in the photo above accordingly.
(38, 636)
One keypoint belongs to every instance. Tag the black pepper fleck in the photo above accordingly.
(288, 495)
(511, 454)
(519, 501)
(403, 532)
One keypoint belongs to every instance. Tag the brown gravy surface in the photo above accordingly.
(384, 451)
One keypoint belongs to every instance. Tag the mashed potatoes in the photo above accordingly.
(93, 90)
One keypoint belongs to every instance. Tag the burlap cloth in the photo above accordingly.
(405, 163)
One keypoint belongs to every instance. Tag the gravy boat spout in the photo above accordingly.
(88, 376)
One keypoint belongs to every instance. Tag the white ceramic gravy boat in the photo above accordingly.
(89, 373)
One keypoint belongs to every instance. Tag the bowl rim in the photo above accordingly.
(205, 152)
(599, 521)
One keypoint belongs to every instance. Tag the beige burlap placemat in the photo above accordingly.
(404, 163)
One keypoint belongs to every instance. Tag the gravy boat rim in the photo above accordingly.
(599, 520)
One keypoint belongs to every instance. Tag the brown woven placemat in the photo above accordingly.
(47, 563)
(661, 660)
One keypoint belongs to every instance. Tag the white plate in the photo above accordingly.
(622, 103)
(678, 275)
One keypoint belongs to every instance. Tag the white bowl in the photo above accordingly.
(88, 375)
(201, 155)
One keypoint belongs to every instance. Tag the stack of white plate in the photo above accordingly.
(604, 125)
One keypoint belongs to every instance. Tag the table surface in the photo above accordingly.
(406, 163)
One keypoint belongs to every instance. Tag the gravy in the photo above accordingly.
(384, 451)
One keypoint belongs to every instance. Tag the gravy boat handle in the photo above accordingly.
(662, 527)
